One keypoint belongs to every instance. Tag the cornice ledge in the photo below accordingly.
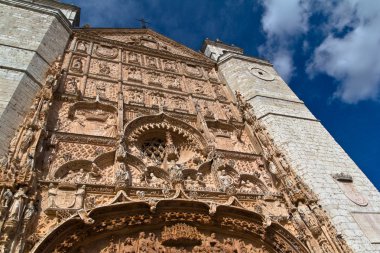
(225, 57)
(42, 9)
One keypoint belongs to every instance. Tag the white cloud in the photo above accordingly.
(282, 21)
(284, 18)
(349, 52)
(283, 63)
(353, 59)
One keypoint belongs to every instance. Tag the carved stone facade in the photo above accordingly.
(135, 144)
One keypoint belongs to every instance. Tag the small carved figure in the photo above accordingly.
(155, 181)
(220, 93)
(52, 193)
(308, 217)
(77, 65)
(29, 211)
(229, 114)
(272, 168)
(134, 74)
(175, 173)
(128, 246)
(173, 82)
(133, 57)
(212, 244)
(189, 183)
(225, 180)
(229, 247)
(110, 127)
(151, 62)
(79, 197)
(122, 175)
(104, 69)
(248, 186)
(27, 139)
(6, 198)
(82, 46)
(154, 77)
(70, 176)
(169, 65)
(94, 173)
(18, 204)
(120, 151)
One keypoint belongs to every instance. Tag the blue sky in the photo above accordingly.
(327, 51)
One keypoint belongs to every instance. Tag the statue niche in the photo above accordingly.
(93, 119)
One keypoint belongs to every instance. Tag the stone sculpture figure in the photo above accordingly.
(308, 217)
(104, 69)
(18, 205)
(225, 180)
(52, 193)
(120, 151)
(79, 197)
(6, 198)
(77, 65)
(27, 139)
(155, 181)
(82, 46)
(122, 175)
(128, 246)
(110, 127)
(29, 211)
(175, 173)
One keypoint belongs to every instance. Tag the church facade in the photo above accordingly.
(136, 143)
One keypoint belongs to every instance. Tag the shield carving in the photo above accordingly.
(345, 183)
(65, 198)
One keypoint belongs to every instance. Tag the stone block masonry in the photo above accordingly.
(311, 151)
(32, 36)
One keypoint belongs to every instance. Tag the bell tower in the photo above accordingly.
(33, 35)
(344, 192)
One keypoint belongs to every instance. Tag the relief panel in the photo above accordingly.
(105, 90)
(104, 68)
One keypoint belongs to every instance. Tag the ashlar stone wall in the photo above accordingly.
(32, 36)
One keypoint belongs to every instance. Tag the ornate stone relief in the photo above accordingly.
(149, 41)
(77, 65)
(102, 68)
(82, 46)
(134, 58)
(102, 89)
(193, 71)
(144, 166)
(106, 51)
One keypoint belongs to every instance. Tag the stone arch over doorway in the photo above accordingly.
(168, 225)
